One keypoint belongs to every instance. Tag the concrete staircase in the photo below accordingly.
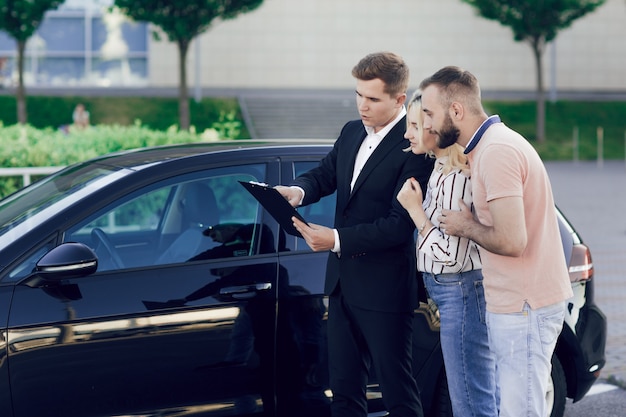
(297, 114)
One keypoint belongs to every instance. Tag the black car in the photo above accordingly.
(151, 283)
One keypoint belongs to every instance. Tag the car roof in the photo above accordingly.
(136, 158)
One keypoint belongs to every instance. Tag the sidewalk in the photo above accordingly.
(593, 198)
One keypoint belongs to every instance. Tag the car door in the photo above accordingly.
(164, 327)
(302, 363)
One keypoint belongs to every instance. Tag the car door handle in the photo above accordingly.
(243, 292)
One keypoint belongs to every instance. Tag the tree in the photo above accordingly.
(536, 22)
(182, 21)
(20, 19)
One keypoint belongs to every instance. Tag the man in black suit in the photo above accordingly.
(371, 275)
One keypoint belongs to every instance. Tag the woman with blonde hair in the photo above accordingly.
(451, 269)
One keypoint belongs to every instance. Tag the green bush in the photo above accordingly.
(27, 146)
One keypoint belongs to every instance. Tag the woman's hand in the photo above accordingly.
(410, 196)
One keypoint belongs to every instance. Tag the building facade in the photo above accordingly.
(313, 45)
(80, 44)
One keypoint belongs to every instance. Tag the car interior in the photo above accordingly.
(171, 224)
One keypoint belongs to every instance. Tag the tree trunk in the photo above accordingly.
(183, 92)
(538, 47)
(22, 116)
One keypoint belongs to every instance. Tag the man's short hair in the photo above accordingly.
(386, 66)
(455, 84)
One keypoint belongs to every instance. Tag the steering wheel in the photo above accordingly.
(102, 241)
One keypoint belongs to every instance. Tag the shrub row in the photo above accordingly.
(27, 146)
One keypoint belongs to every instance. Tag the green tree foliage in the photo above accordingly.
(20, 19)
(536, 22)
(182, 21)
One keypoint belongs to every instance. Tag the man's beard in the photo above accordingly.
(448, 134)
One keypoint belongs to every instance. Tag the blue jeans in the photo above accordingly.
(523, 344)
(470, 365)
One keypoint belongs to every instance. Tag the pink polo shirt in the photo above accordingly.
(504, 164)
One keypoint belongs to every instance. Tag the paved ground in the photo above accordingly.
(593, 198)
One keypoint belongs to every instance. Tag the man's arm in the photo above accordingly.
(507, 236)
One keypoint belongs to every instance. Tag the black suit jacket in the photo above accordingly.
(376, 269)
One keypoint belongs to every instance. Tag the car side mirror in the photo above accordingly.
(68, 260)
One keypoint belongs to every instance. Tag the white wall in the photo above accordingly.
(315, 44)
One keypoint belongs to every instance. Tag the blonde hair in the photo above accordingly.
(457, 160)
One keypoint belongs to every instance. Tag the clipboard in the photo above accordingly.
(275, 204)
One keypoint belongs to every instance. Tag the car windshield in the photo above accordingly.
(27, 208)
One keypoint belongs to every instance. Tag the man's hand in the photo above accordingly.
(292, 194)
(507, 235)
(319, 238)
(457, 223)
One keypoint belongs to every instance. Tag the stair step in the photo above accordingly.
(297, 117)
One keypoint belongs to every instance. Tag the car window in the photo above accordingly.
(26, 266)
(207, 215)
(33, 205)
(139, 214)
(322, 212)
(27, 202)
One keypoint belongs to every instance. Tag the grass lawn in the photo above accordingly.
(563, 119)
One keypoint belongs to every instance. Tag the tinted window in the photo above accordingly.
(322, 212)
(27, 208)
(27, 266)
(207, 215)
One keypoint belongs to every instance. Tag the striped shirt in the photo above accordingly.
(437, 252)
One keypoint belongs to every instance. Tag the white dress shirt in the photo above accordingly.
(368, 146)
